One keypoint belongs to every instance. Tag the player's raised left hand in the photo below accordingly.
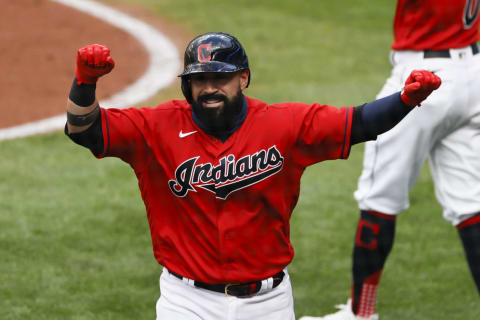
(419, 86)
(93, 61)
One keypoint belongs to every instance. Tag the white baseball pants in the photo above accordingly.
(182, 301)
(445, 129)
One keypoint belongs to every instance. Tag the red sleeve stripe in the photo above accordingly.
(348, 132)
(105, 133)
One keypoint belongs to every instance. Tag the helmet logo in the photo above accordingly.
(203, 52)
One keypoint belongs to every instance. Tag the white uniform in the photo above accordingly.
(439, 36)
(445, 129)
(180, 300)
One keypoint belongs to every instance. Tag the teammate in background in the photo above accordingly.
(219, 173)
(441, 36)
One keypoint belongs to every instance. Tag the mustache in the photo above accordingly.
(216, 96)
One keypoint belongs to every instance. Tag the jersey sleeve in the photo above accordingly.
(125, 133)
(323, 133)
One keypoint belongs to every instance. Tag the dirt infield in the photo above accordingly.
(38, 44)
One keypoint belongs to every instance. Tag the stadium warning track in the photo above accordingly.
(164, 65)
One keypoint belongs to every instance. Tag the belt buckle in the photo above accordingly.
(228, 285)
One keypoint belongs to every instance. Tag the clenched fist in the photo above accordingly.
(93, 61)
(419, 86)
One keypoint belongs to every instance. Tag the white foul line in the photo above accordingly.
(164, 67)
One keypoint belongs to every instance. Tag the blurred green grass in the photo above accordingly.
(74, 238)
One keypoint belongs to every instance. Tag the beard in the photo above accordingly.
(219, 119)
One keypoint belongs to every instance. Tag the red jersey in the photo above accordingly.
(219, 212)
(435, 24)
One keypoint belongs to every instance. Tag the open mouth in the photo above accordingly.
(213, 101)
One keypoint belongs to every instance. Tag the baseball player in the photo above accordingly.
(441, 36)
(219, 173)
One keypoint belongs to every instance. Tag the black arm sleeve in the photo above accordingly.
(92, 138)
(83, 95)
(377, 117)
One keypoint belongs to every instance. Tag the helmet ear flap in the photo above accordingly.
(187, 89)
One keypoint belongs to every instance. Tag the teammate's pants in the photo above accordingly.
(445, 129)
(181, 301)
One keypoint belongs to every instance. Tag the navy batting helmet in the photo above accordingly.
(212, 52)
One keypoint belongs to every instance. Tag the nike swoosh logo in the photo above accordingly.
(186, 134)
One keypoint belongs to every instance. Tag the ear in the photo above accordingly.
(244, 75)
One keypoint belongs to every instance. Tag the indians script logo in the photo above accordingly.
(228, 176)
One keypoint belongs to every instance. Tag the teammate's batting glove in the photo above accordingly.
(93, 61)
(418, 87)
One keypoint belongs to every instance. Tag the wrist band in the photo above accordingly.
(82, 95)
(83, 119)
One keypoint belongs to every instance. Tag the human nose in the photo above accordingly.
(210, 85)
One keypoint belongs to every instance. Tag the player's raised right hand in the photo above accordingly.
(419, 86)
(93, 61)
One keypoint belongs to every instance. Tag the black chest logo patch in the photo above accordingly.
(228, 176)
